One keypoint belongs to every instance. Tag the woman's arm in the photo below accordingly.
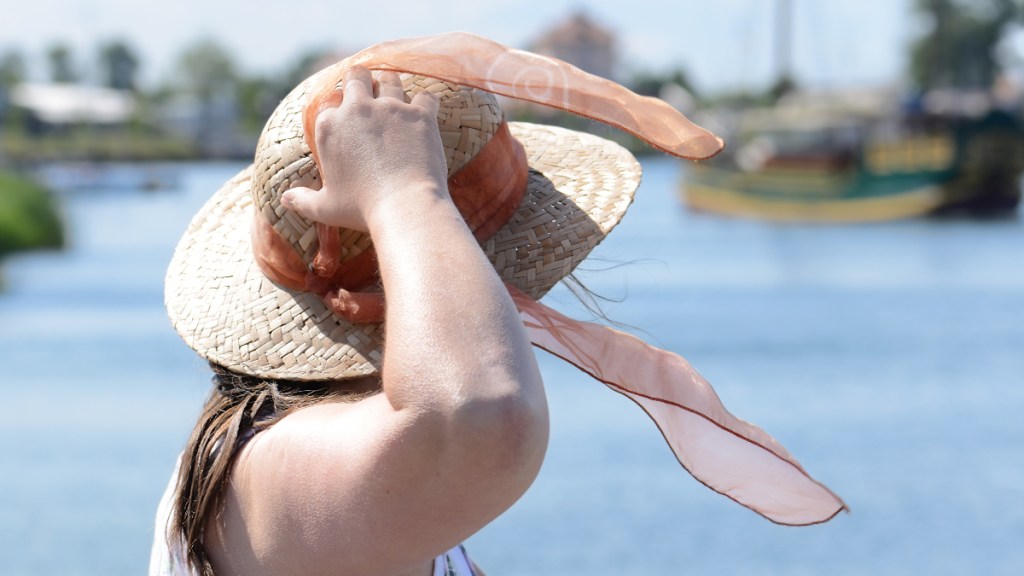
(384, 484)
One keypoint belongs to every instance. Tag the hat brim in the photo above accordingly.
(225, 309)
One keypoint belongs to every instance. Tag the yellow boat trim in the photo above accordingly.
(812, 182)
(905, 205)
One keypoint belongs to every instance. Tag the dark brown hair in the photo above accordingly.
(238, 407)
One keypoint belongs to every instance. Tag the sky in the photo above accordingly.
(721, 44)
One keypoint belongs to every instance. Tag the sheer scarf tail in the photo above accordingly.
(726, 454)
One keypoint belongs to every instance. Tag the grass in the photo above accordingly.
(28, 216)
(93, 145)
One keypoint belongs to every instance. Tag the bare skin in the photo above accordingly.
(381, 486)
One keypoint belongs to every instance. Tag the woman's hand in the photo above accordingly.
(372, 148)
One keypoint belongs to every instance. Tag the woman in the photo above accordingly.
(315, 454)
(451, 440)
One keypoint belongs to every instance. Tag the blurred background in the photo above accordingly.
(848, 273)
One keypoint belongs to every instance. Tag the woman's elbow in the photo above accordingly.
(507, 435)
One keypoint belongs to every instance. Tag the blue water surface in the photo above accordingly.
(889, 358)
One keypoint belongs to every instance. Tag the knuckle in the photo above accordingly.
(360, 107)
(391, 106)
(324, 124)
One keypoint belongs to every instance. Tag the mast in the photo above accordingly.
(783, 41)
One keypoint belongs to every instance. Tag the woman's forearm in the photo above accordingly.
(454, 338)
(456, 357)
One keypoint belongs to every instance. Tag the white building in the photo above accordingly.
(60, 105)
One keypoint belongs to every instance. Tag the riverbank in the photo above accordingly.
(95, 146)
(29, 218)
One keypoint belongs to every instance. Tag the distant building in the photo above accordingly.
(56, 106)
(581, 42)
(213, 125)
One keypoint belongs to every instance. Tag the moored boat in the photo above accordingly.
(846, 164)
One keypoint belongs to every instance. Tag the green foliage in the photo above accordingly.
(746, 99)
(28, 216)
(257, 98)
(134, 144)
(957, 50)
(62, 68)
(118, 65)
(784, 85)
(12, 69)
(206, 70)
(651, 83)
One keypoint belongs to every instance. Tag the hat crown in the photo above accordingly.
(467, 120)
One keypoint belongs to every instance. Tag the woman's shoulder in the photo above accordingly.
(340, 484)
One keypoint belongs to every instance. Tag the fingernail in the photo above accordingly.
(288, 200)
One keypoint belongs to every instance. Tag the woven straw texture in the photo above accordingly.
(225, 309)
(467, 120)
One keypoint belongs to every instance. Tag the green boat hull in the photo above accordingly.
(972, 167)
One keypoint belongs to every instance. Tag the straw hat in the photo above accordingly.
(225, 307)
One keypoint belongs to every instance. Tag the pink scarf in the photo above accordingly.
(730, 456)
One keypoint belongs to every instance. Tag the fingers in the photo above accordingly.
(391, 86)
(428, 101)
(357, 83)
(303, 201)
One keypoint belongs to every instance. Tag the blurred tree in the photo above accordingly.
(12, 69)
(207, 75)
(119, 65)
(303, 67)
(651, 83)
(12, 73)
(206, 70)
(61, 66)
(784, 85)
(958, 49)
(257, 98)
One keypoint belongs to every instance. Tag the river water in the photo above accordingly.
(889, 358)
